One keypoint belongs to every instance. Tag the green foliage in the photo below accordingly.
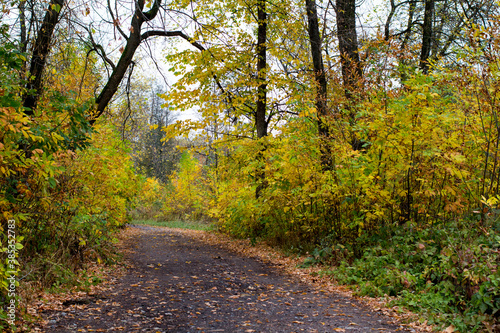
(179, 224)
(448, 272)
(11, 61)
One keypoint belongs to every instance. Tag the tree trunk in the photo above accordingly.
(349, 60)
(133, 42)
(22, 26)
(260, 113)
(387, 29)
(41, 51)
(321, 84)
(427, 36)
(409, 25)
(348, 45)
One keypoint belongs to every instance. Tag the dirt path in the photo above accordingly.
(179, 284)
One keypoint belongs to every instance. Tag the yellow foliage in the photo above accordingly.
(187, 196)
(150, 198)
(104, 175)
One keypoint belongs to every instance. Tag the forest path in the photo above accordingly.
(179, 283)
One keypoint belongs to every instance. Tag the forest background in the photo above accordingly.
(372, 148)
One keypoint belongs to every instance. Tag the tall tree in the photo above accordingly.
(154, 156)
(348, 46)
(349, 59)
(261, 123)
(427, 33)
(41, 50)
(260, 112)
(320, 78)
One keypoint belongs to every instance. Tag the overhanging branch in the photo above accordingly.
(163, 33)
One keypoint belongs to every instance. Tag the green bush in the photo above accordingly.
(448, 272)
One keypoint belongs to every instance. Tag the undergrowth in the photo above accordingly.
(447, 272)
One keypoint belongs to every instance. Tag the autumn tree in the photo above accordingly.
(154, 156)
(261, 122)
(434, 28)
(79, 18)
(237, 75)
(348, 46)
(320, 80)
(41, 51)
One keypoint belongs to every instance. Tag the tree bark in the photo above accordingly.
(387, 28)
(22, 26)
(41, 51)
(427, 36)
(134, 40)
(321, 83)
(349, 59)
(348, 46)
(409, 25)
(260, 112)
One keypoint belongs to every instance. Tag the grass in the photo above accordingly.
(193, 225)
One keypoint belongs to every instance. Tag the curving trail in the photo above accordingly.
(179, 284)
